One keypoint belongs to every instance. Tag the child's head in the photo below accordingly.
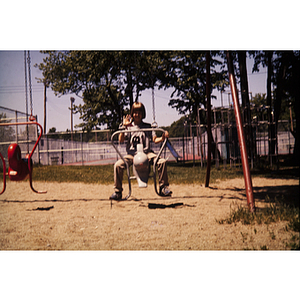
(138, 106)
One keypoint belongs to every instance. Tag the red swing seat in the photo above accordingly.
(19, 169)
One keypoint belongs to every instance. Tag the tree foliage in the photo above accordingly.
(108, 80)
(185, 72)
(105, 80)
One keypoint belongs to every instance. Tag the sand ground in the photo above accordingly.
(76, 216)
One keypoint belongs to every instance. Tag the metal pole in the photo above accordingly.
(16, 127)
(38, 145)
(200, 135)
(221, 99)
(82, 148)
(216, 138)
(47, 149)
(228, 99)
(45, 112)
(183, 154)
(242, 142)
(193, 145)
(72, 101)
(208, 118)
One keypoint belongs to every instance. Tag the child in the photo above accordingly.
(138, 113)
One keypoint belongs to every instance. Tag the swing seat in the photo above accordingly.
(18, 168)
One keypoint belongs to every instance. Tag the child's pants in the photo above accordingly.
(120, 166)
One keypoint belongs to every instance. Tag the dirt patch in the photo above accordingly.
(76, 216)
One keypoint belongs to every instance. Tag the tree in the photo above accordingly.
(283, 73)
(246, 103)
(91, 75)
(176, 129)
(52, 130)
(185, 72)
(105, 80)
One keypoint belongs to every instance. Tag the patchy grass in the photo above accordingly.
(274, 212)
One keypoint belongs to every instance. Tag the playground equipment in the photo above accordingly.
(242, 142)
(140, 162)
(20, 169)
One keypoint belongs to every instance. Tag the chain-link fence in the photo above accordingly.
(24, 135)
(82, 148)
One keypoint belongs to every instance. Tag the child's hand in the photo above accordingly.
(164, 135)
(127, 120)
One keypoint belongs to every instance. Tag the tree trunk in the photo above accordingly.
(130, 87)
(278, 99)
(296, 85)
(246, 102)
(271, 127)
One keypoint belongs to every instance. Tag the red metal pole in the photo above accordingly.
(242, 142)
(4, 174)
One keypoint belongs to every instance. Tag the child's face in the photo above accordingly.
(137, 117)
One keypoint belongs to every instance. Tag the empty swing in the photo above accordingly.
(21, 168)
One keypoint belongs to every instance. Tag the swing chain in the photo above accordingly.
(29, 76)
(28, 67)
(26, 86)
(154, 123)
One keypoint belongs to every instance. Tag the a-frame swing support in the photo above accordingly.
(240, 130)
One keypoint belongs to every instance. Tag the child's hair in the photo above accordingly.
(138, 106)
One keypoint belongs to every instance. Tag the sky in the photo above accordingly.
(12, 93)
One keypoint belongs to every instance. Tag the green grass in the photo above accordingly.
(86, 174)
(104, 174)
(179, 173)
